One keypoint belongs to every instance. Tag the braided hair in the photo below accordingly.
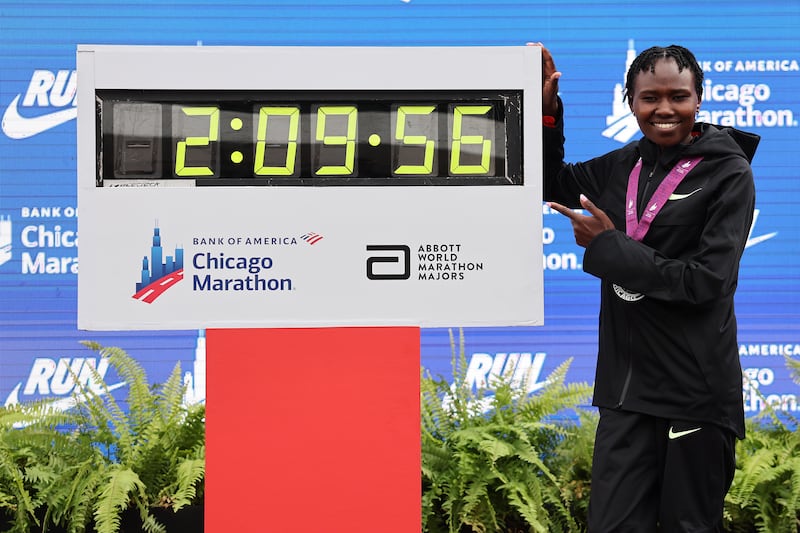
(646, 62)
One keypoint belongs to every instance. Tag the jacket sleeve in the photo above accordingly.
(565, 182)
(703, 274)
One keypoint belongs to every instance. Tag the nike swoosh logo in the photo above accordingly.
(676, 196)
(678, 434)
(60, 405)
(752, 241)
(16, 126)
(758, 240)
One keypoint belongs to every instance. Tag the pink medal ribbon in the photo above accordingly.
(637, 229)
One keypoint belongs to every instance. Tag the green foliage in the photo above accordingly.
(87, 466)
(572, 465)
(485, 458)
(502, 462)
(35, 459)
(765, 495)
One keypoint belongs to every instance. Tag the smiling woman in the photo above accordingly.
(668, 380)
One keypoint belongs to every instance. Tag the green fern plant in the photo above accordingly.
(765, 494)
(572, 465)
(485, 457)
(39, 451)
(155, 450)
(83, 469)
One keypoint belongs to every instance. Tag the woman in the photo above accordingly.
(665, 225)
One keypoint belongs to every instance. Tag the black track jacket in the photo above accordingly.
(667, 335)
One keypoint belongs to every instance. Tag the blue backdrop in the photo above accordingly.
(749, 52)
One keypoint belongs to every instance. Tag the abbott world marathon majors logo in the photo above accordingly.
(212, 269)
(741, 103)
(434, 262)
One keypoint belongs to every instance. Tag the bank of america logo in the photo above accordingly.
(159, 273)
(621, 124)
(311, 237)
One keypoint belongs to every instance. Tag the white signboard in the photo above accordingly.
(309, 187)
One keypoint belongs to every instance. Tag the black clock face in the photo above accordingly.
(311, 137)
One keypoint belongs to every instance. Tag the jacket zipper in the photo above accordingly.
(643, 199)
(628, 375)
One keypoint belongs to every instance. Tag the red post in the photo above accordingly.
(313, 430)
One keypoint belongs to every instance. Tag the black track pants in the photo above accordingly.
(653, 474)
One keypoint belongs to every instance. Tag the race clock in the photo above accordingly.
(309, 186)
(311, 137)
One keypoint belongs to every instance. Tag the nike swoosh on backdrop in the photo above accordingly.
(16, 126)
(678, 434)
(758, 240)
(676, 196)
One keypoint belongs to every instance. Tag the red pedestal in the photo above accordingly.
(313, 430)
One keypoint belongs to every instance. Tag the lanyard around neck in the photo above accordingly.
(637, 228)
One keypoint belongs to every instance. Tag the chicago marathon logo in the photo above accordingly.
(159, 273)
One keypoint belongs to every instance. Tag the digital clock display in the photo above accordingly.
(429, 137)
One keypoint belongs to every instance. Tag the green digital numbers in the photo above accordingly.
(195, 142)
(335, 128)
(421, 139)
(270, 120)
(470, 147)
(404, 116)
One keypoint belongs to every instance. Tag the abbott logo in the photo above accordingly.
(392, 253)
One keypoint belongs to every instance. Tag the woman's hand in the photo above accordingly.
(550, 78)
(585, 227)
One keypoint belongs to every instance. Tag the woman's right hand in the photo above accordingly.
(550, 78)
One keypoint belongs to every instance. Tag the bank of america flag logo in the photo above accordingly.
(311, 237)
(159, 273)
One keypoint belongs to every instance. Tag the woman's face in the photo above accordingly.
(665, 103)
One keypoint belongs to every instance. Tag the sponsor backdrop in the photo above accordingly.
(749, 52)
